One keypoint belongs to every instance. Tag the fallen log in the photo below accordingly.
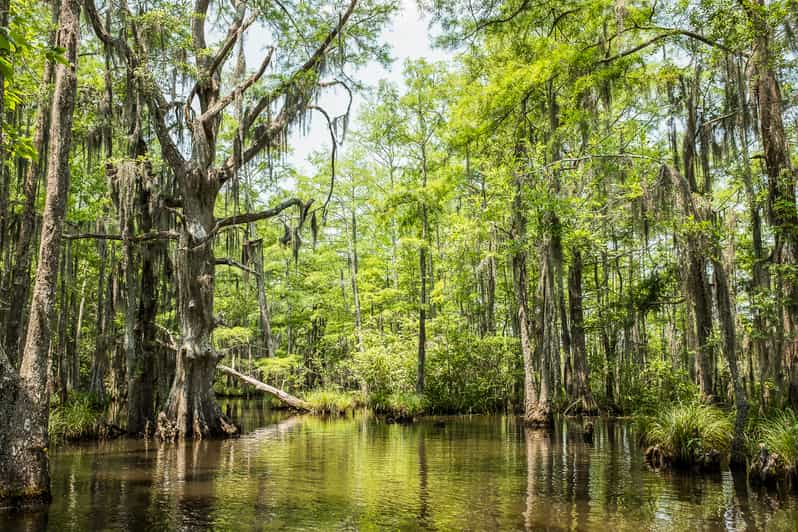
(288, 399)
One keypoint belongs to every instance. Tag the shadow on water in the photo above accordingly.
(454, 473)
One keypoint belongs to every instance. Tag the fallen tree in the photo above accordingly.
(286, 398)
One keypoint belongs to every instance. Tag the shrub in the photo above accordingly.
(689, 434)
(657, 384)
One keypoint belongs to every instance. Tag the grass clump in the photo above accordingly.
(773, 447)
(779, 434)
(79, 418)
(331, 402)
(687, 434)
(398, 405)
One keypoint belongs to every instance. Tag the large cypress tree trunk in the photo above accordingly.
(782, 210)
(191, 409)
(141, 374)
(24, 397)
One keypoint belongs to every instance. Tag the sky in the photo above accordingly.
(408, 37)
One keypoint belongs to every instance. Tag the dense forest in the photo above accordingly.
(590, 208)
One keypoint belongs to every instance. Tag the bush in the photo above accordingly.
(659, 383)
(469, 374)
(330, 402)
(79, 418)
(689, 434)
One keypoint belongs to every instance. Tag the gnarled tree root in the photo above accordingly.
(539, 417)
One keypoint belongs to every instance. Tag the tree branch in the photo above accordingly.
(250, 217)
(292, 106)
(226, 261)
(238, 27)
(219, 106)
(667, 32)
(153, 235)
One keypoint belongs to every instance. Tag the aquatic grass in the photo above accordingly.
(334, 402)
(779, 434)
(689, 433)
(399, 405)
(78, 419)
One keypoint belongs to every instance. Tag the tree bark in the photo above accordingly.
(191, 409)
(581, 376)
(534, 412)
(18, 285)
(141, 373)
(782, 209)
(726, 319)
(24, 397)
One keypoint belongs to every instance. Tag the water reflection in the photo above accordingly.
(468, 473)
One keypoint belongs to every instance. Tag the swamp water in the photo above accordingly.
(357, 473)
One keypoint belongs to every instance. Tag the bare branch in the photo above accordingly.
(154, 235)
(220, 104)
(235, 31)
(292, 106)
(333, 150)
(226, 261)
(250, 217)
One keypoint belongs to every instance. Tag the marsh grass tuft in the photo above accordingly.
(79, 418)
(688, 434)
(332, 402)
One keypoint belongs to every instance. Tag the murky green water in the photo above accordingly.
(471, 473)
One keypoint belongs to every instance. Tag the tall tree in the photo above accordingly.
(24, 473)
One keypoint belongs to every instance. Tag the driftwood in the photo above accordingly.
(288, 399)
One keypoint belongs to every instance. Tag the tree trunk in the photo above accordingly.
(422, 266)
(105, 309)
(263, 306)
(422, 318)
(355, 290)
(533, 414)
(726, 318)
(581, 375)
(191, 409)
(18, 285)
(141, 374)
(782, 210)
(546, 334)
(24, 397)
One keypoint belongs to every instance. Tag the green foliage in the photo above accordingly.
(469, 374)
(687, 431)
(332, 402)
(79, 418)
(779, 434)
(285, 372)
(657, 384)
(399, 405)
